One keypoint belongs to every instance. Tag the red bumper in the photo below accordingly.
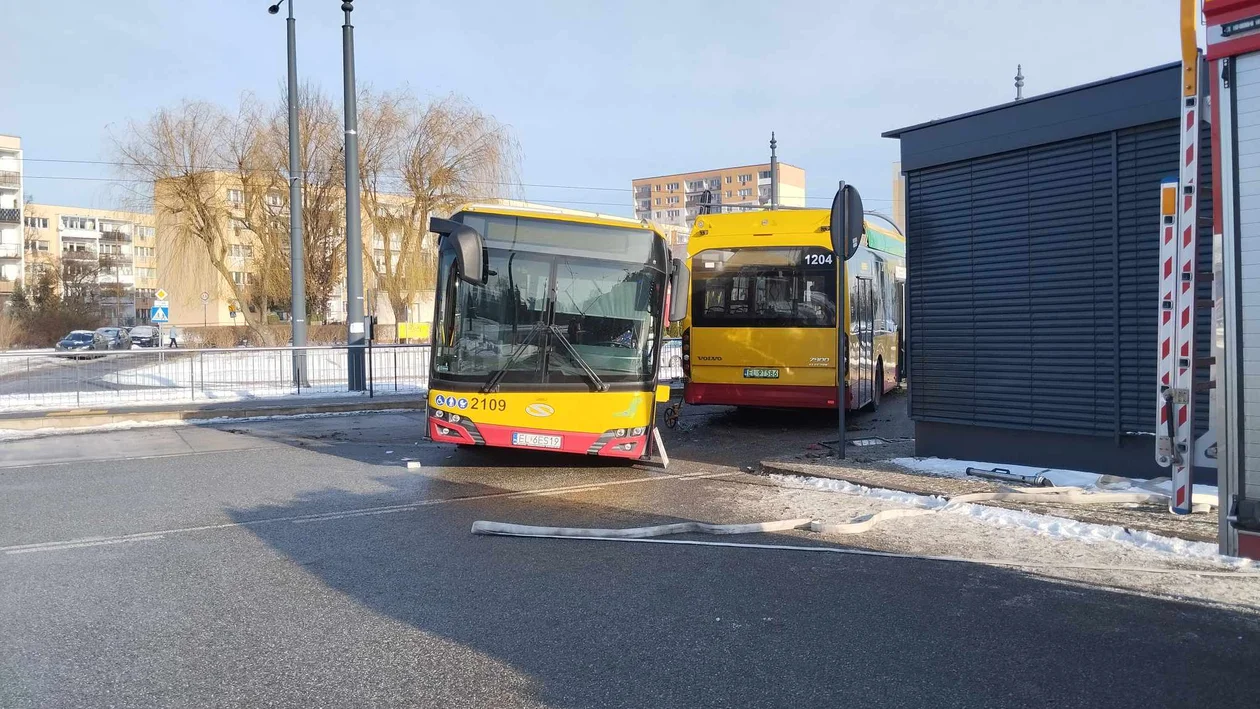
(482, 434)
(778, 396)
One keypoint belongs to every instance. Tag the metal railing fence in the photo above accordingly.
(42, 380)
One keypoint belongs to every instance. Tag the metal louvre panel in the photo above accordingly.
(1016, 317)
(941, 338)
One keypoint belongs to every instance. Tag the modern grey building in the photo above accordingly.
(1033, 249)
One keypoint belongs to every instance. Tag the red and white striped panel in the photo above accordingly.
(1167, 307)
(1187, 223)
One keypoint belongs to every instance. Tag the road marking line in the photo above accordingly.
(343, 514)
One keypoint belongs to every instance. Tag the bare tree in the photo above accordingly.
(418, 160)
(323, 192)
(180, 152)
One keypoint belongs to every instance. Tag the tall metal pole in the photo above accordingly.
(774, 173)
(297, 258)
(355, 371)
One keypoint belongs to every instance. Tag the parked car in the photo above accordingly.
(115, 337)
(81, 342)
(144, 336)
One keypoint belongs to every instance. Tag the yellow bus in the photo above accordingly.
(547, 330)
(761, 329)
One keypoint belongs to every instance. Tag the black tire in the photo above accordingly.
(877, 390)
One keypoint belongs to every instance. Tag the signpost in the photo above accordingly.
(846, 230)
(205, 317)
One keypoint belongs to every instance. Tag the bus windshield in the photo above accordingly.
(549, 318)
(764, 287)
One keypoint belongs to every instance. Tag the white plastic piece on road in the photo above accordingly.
(660, 530)
(413, 465)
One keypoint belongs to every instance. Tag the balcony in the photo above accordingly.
(10, 251)
(116, 237)
(10, 178)
(73, 255)
(10, 216)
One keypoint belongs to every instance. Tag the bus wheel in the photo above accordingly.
(877, 392)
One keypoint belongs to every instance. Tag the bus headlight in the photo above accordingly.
(439, 414)
(455, 418)
(638, 430)
(445, 431)
(621, 433)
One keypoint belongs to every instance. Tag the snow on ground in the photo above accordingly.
(12, 434)
(1047, 525)
(948, 467)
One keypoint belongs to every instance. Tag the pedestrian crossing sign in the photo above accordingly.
(159, 313)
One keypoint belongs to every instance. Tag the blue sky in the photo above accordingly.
(597, 93)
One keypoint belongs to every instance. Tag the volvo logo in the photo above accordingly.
(539, 410)
(710, 358)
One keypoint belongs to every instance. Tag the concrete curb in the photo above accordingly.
(84, 418)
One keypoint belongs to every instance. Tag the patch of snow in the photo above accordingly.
(12, 434)
(1048, 525)
(947, 467)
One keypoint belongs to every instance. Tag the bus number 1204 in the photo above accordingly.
(818, 260)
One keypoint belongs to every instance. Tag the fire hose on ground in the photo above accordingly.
(652, 534)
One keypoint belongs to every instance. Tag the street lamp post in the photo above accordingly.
(355, 370)
(297, 259)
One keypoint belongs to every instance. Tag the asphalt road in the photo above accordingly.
(301, 564)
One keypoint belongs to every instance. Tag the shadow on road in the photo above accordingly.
(595, 624)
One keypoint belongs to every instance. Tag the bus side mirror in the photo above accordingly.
(466, 242)
(679, 289)
(846, 221)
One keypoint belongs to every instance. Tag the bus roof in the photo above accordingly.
(765, 225)
(535, 211)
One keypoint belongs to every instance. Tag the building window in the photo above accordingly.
(146, 232)
(83, 223)
(242, 278)
(241, 251)
(658, 188)
(728, 194)
(728, 179)
(273, 199)
(236, 197)
(746, 177)
(37, 222)
(764, 175)
(671, 187)
(658, 215)
(658, 201)
(745, 192)
(695, 185)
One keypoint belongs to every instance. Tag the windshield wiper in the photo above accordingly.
(492, 383)
(569, 349)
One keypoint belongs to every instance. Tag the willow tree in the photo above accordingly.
(420, 159)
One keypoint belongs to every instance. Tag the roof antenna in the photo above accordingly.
(774, 173)
(1019, 82)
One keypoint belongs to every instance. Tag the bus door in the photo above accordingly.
(864, 330)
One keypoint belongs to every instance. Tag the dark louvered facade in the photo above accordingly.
(1032, 236)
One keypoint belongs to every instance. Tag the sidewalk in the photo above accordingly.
(26, 421)
(1146, 517)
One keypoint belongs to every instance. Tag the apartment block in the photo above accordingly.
(676, 200)
(11, 213)
(113, 250)
(186, 271)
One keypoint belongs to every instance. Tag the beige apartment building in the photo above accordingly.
(11, 213)
(676, 200)
(116, 249)
(186, 271)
